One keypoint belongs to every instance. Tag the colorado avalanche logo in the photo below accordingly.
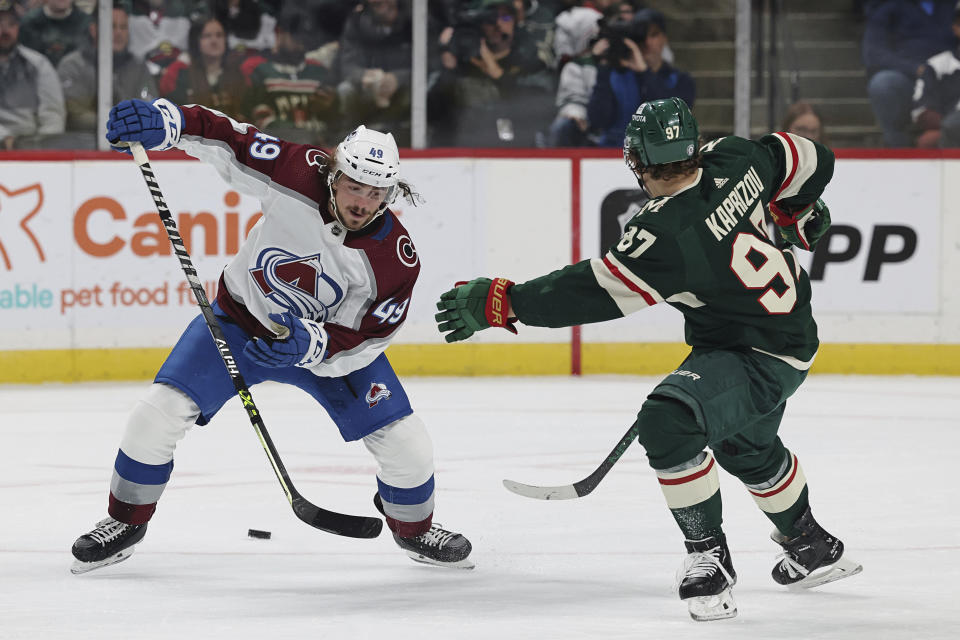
(406, 251)
(297, 283)
(377, 393)
(316, 158)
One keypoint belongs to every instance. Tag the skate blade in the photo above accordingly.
(466, 563)
(718, 607)
(842, 568)
(85, 567)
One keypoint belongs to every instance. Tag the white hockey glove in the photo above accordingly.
(301, 343)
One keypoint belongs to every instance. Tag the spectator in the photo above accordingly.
(78, 77)
(492, 89)
(937, 97)
(159, 30)
(625, 10)
(445, 13)
(321, 21)
(606, 7)
(210, 77)
(294, 97)
(54, 29)
(250, 28)
(631, 70)
(538, 18)
(803, 119)
(31, 100)
(375, 64)
(571, 27)
(899, 36)
(576, 29)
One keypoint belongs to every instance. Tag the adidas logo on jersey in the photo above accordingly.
(719, 182)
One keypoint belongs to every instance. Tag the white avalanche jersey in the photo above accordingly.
(298, 258)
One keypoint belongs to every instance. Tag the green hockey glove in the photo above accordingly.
(804, 227)
(471, 306)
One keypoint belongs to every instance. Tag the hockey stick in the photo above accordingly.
(583, 487)
(330, 521)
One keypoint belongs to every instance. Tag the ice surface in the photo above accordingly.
(878, 454)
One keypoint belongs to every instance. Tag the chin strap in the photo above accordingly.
(643, 187)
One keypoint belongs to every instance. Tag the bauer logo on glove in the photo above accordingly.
(472, 306)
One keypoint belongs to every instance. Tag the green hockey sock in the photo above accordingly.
(701, 520)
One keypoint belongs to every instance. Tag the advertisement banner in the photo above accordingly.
(508, 217)
(103, 273)
(86, 261)
(882, 253)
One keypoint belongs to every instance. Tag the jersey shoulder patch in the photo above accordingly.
(316, 157)
(390, 243)
(728, 145)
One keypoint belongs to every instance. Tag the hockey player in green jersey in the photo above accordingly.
(701, 246)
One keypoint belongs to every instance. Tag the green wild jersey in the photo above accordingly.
(295, 102)
(705, 251)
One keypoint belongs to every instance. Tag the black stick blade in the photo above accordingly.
(339, 524)
(582, 487)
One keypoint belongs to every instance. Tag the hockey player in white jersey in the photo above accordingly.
(330, 264)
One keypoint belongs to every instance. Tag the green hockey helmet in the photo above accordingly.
(660, 132)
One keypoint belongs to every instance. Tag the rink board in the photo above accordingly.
(90, 289)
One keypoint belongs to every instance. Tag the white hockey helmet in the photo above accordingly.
(368, 157)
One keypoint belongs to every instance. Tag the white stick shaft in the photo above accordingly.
(139, 154)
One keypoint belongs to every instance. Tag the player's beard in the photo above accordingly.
(7, 47)
(364, 214)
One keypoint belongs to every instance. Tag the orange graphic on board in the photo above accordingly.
(5, 194)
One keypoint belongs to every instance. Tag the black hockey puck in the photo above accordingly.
(256, 533)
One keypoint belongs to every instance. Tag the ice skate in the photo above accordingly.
(812, 558)
(706, 580)
(437, 546)
(110, 542)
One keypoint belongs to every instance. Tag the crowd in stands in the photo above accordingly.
(936, 97)
(906, 45)
(523, 73)
(500, 72)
